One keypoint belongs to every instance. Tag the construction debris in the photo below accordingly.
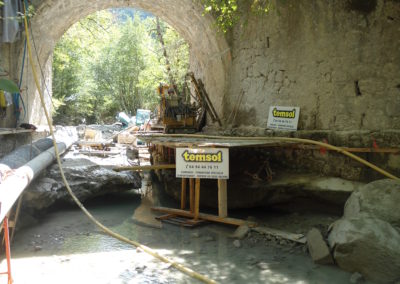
(318, 248)
(94, 145)
(126, 138)
(99, 153)
(298, 238)
(92, 135)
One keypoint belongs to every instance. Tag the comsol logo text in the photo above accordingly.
(284, 113)
(202, 157)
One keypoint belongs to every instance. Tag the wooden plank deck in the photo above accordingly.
(182, 140)
(175, 141)
(7, 131)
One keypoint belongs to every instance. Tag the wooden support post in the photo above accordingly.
(191, 185)
(169, 155)
(222, 198)
(183, 194)
(197, 199)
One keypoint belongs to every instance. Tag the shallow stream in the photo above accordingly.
(65, 247)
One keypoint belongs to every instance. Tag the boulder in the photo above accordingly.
(86, 179)
(42, 193)
(379, 199)
(369, 246)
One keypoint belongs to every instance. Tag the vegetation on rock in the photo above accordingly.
(227, 12)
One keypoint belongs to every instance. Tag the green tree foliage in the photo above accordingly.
(73, 56)
(227, 13)
(178, 54)
(66, 70)
(118, 69)
(112, 62)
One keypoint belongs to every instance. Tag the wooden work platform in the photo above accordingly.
(202, 141)
(194, 141)
(193, 216)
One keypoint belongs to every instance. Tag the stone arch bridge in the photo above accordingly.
(209, 52)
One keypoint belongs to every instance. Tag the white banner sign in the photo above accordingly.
(283, 118)
(211, 163)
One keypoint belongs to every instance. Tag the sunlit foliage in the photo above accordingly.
(227, 12)
(109, 62)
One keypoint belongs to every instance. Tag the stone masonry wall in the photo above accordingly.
(339, 61)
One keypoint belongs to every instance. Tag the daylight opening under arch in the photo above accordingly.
(113, 61)
(209, 55)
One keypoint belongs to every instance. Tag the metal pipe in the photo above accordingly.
(17, 180)
(25, 153)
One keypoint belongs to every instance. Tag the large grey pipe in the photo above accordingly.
(16, 182)
(17, 170)
(25, 153)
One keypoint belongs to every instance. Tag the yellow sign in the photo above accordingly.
(202, 157)
(283, 118)
(210, 163)
(284, 113)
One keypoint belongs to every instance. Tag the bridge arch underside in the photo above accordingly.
(209, 52)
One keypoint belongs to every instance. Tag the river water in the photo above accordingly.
(65, 247)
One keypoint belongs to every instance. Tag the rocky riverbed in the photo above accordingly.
(62, 241)
(65, 247)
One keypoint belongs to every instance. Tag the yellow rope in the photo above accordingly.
(288, 139)
(146, 249)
